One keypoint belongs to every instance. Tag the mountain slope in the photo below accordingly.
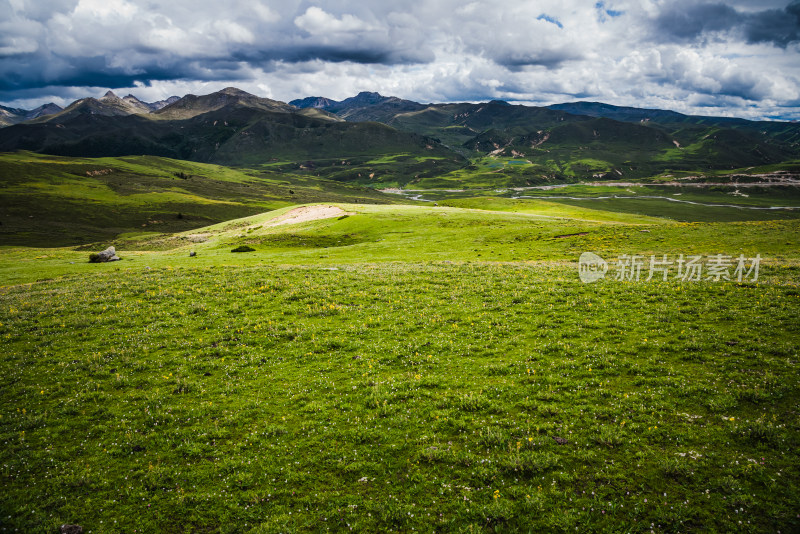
(365, 106)
(784, 132)
(109, 105)
(583, 139)
(191, 105)
(88, 199)
(387, 141)
(236, 133)
(9, 116)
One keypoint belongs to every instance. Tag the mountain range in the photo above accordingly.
(9, 116)
(564, 141)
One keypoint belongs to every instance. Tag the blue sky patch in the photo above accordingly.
(610, 12)
(551, 20)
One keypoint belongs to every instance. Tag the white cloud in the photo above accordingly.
(264, 13)
(231, 32)
(316, 21)
(105, 11)
(625, 52)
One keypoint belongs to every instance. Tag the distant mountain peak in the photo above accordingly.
(109, 95)
(193, 105)
(316, 102)
(233, 91)
(46, 109)
(365, 106)
(366, 97)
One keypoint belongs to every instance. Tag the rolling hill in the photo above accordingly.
(62, 201)
(387, 141)
(230, 126)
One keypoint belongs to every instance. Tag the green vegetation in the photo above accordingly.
(57, 201)
(391, 142)
(395, 365)
(398, 397)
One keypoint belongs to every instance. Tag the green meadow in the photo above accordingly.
(397, 366)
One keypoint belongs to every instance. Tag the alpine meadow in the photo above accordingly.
(230, 313)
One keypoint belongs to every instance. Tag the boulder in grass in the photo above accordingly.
(109, 254)
(71, 529)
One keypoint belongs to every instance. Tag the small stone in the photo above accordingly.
(560, 441)
(71, 529)
(192, 254)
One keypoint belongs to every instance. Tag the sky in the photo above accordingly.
(727, 58)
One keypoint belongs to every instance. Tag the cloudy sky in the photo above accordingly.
(737, 58)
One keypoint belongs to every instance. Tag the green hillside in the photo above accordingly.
(58, 201)
(784, 132)
(234, 134)
(387, 141)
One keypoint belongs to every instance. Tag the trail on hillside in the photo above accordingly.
(307, 213)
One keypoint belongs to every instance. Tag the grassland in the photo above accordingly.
(402, 368)
(398, 367)
(398, 397)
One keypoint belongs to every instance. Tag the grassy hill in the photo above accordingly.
(62, 201)
(59, 201)
(402, 367)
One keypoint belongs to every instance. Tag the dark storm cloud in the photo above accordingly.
(551, 58)
(691, 21)
(27, 73)
(301, 54)
(781, 27)
(122, 42)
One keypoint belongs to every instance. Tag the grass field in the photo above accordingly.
(402, 368)
(399, 397)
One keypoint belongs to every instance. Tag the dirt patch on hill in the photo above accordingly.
(307, 213)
